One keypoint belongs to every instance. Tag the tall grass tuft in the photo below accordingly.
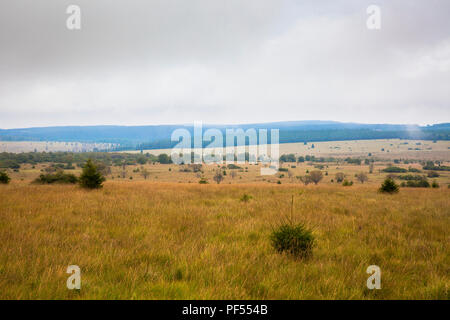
(246, 198)
(296, 240)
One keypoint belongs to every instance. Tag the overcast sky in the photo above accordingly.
(223, 61)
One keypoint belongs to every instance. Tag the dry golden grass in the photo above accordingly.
(153, 240)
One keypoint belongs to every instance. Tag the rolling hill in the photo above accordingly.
(158, 136)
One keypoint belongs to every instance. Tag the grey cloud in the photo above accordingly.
(176, 61)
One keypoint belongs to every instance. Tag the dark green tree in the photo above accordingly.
(91, 177)
(164, 159)
(389, 186)
(4, 178)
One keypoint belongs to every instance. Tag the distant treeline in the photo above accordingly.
(159, 137)
(292, 136)
(14, 160)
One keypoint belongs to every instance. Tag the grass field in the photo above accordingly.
(380, 148)
(247, 174)
(155, 240)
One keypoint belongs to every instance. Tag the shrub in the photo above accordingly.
(203, 181)
(288, 158)
(432, 174)
(339, 177)
(246, 198)
(164, 159)
(293, 239)
(316, 176)
(362, 177)
(91, 178)
(305, 179)
(4, 178)
(283, 169)
(431, 166)
(218, 177)
(233, 166)
(353, 161)
(347, 183)
(9, 163)
(58, 177)
(435, 184)
(411, 169)
(418, 184)
(394, 169)
(410, 177)
(389, 186)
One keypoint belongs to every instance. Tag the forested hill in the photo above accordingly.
(158, 136)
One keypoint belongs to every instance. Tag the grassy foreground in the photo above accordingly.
(148, 240)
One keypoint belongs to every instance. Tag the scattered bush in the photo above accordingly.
(432, 174)
(9, 163)
(233, 166)
(340, 176)
(431, 166)
(410, 177)
(353, 161)
(389, 186)
(293, 239)
(58, 177)
(4, 178)
(435, 184)
(218, 177)
(246, 198)
(203, 181)
(164, 159)
(347, 183)
(362, 177)
(288, 158)
(418, 184)
(394, 170)
(305, 179)
(316, 176)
